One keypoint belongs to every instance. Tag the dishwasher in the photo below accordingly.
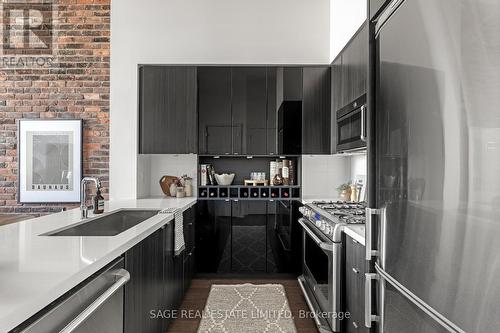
(95, 305)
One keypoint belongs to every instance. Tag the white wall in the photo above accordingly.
(200, 32)
(150, 168)
(346, 18)
(322, 174)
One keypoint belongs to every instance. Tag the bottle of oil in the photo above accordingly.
(98, 202)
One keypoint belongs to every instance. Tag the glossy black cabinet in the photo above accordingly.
(167, 110)
(249, 110)
(272, 111)
(284, 237)
(213, 237)
(150, 286)
(316, 110)
(248, 237)
(214, 110)
(354, 286)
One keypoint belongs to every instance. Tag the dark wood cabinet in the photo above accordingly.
(249, 110)
(316, 110)
(150, 285)
(189, 239)
(354, 286)
(159, 277)
(167, 110)
(214, 110)
(337, 99)
(355, 66)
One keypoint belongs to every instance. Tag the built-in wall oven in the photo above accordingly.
(321, 274)
(351, 126)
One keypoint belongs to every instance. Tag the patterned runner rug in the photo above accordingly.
(247, 308)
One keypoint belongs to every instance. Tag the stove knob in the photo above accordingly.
(328, 229)
(323, 225)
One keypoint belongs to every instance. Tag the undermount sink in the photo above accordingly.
(110, 224)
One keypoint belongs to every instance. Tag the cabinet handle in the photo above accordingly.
(355, 270)
(354, 324)
(362, 136)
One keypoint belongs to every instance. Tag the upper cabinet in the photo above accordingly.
(237, 110)
(355, 67)
(349, 77)
(167, 110)
(214, 110)
(249, 105)
(316, 110)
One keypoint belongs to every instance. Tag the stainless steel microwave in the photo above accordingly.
(351, 126)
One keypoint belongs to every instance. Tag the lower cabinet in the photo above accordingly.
(149, 289)
(246, 237)
(158, 278)
(355, 286)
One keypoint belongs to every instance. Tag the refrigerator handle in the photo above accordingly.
(369, 317)
(368, 233)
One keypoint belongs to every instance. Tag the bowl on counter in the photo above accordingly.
(224, 179)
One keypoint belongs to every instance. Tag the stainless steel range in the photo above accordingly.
(323, 223)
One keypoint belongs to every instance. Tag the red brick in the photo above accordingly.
(77, 89)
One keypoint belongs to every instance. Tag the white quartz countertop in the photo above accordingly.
(356, 232)
(36, 270)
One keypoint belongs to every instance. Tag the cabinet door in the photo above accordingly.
(316, 110)
(272, 112)
(167, 113)
(354, 282)
(355, 66)
(144, 292)
(337, 99)
(168, 285)
(213, 236)
(214, 110)
(249, 243)
(249, 110)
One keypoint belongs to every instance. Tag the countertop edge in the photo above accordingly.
(18, 317)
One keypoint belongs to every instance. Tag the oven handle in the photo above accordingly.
(320, 326)
(324, 245)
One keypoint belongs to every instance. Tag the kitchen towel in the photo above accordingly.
(179, 244)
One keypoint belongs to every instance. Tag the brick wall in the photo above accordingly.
(75, 86)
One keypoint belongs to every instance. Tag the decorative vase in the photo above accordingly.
(165, 183)
(173, 190)
(345, 195)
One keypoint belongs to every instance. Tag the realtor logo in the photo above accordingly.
(27, 28)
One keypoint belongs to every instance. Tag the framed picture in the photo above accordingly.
(50, 161)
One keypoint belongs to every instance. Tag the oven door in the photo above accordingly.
(321, 273)
(351, 126)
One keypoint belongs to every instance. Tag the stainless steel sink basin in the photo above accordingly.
(107, 225)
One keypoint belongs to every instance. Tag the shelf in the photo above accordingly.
(250, 156)
(242, 192)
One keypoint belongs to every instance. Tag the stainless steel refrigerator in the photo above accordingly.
(433, 232)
